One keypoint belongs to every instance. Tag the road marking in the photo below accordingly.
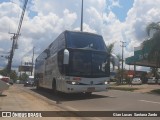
(150, 101)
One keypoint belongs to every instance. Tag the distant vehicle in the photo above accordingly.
(152, 80)
(158, 81)
(17, 81)
(136, 81)
(124, 81)
(30, 81)
(74, 62)
(5, 79)
(4, 85)
(11, 82)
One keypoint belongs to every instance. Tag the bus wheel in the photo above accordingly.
(54, 87)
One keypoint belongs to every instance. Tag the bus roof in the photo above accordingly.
(68, 32)
(81, 32)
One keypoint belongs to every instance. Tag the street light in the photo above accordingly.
(82, 17)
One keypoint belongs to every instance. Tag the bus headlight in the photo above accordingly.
(106, 82)
(73, 83)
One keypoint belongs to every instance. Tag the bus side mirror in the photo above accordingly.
(66, 57)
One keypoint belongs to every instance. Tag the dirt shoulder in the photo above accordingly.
(16, 99)
(144, 88)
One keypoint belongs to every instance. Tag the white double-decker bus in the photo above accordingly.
(74, 62)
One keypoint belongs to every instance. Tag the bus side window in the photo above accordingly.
(60, 61)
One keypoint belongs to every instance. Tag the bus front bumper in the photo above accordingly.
(85, 88)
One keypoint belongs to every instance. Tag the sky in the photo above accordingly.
(115, 20)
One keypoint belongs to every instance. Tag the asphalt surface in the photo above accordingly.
(28, 98)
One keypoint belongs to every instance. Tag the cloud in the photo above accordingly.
(140, 15)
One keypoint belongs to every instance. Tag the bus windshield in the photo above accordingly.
(85, 41)
(88, 64)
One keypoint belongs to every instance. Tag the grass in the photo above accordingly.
(123, 88)
(157, 91)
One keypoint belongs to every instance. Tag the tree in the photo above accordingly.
(24, 76)
(120, 59)
(119, 71)
(110, 51)
(13, 75)
(3, 72)
(152, 26)
(154, 54)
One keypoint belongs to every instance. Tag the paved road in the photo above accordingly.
(113, 100)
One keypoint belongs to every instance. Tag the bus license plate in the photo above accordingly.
(91, 89)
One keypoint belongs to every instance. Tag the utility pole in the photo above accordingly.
(32, 61)
(82, 17)
(11, 54)
(15, 38)
(122, 59)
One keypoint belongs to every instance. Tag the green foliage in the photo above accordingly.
(110, 51)
(24, 76)
(12, 75)
(120, 59)
(124, 88)
(156, 91)
(154, 54)
(3, 72)
(153, 26)
(110, 48)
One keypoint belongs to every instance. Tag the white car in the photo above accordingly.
(152, 80)
(136, 81)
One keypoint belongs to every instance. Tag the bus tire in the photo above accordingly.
(54, 87)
